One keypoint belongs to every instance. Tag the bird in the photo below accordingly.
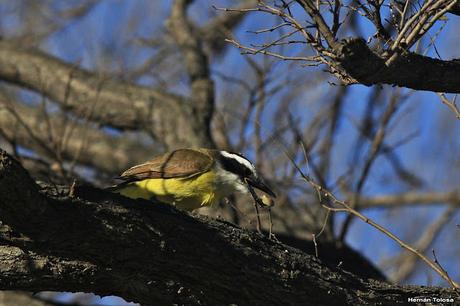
(191, 178)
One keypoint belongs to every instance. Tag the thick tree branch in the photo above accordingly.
(197, 65)
(411, 198)
(50, 135)
(109, 102)
(455, 10)
(409, 69)
(154, 254)
(351, 59)
(99, 98)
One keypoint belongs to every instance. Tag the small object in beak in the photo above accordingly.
(267, 201)
(258, 183)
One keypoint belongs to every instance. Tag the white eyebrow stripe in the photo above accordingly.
(240, 159)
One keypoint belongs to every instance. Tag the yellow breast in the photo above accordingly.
(185, 193)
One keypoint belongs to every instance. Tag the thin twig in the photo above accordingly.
(346, 208)
(254, 51)
(450, 104)
(404, 245)
(270, 228)
(313, 236)
(257, 202)
(259, 225)
(452, 283)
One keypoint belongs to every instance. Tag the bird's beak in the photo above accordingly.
(258, 183)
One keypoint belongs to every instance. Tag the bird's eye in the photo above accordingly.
(248, 172)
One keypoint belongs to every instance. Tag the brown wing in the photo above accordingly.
(178, 163)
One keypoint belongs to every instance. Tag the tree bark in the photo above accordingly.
(92, 241)
(410, 70)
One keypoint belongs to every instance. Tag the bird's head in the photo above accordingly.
(244, 169)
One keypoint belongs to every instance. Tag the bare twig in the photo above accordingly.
(451, 282)
(452, 105)
(407, 261)
(346, 208)
(257, 202)
(249, 50)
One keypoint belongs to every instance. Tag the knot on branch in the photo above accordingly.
(6, 162)
(11, 172)
(359, 61)
(18, 191)
(455, 10)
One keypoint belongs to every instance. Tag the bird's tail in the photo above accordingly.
(118, 187)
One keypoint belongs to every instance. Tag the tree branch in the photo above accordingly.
(320, 23)
(455, 10)
(411, 198)
(409, 69)
(351, 59)
(99, 98)
(154, 254)
(84, 144)
(407, 261)
(197, 64)
(109, 102)
(219, 28)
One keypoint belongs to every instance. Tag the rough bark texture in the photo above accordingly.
(354, 62)
(154, 254)
(456, 10)
(409, 70)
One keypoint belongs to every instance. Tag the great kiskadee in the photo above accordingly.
(191, 178)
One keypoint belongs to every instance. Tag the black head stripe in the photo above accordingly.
(233, 165)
